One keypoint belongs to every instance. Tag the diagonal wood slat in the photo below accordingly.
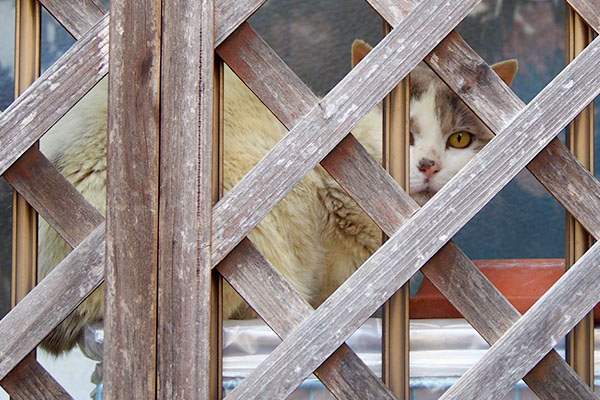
(344, 374)
(38, 181)
(63, 84)
(482, 90)
(538, 331)
(429, 229)
(76, 16)
(453, 273)
(589, 11)
(555, 165)
(51, 301)
(350, 164)
(53, 94)
(92, 48)
(229, 14)
(29, 380)
(330, 120)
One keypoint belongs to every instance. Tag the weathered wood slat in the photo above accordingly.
(76, 16)
(497, 105)
(229, 14)
(480, 88)
(29, 380)
(330, 120)
(257, 281)
(53, 94)
(69, 79)
(247, 54)
(51, 301)
(538, 331)
(350, 164)
(38, 181)
(184, 284)
(589, 11)
(427, 231)
(490, 313)
(131, 278)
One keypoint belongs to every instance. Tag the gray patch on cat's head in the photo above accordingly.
(454, 115)
(420, 79)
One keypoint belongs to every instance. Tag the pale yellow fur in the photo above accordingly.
(315, 237)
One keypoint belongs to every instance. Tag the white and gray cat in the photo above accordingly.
(317, 236)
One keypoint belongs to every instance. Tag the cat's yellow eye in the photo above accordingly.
(459, 140)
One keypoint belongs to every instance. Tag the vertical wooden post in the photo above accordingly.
(27, 69)
(580, 342)
(396, 322)
(132, 200)
(216, 309)
(188, 338)
(24, 225)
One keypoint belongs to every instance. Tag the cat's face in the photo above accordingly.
(444, 134)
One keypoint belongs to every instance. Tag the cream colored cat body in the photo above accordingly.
(317, 236)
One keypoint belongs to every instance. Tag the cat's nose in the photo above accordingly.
(428, 167)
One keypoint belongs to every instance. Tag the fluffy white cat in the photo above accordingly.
(317, 236)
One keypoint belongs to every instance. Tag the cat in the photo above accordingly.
(317, 236)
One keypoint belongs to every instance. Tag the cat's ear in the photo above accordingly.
(506, 70)
(360, 49)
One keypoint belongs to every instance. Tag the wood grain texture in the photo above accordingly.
(497, 105)
(53, 94)
(589, 11)
(465, 72)
(268, 76)
(38, 181)
(29, 380)
(538, 331)
(132, 200)
(76, 16)
(184, 337)
(229, 14)
(450, 270)
(51, 301)
(427, 231)
(330, 120)
(283, 308)
(361, 176)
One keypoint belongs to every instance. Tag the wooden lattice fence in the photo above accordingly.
(165, 351)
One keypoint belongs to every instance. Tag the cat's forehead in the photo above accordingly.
(422, 79)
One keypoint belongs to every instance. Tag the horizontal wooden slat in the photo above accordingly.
(589, 11)
(282, 308)
(350, 164)
(330, 120)
(29, 380)
(538, 331)
(53, 94)
(428, 230)
(38, 181)
(76, 16)
(51, 301)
